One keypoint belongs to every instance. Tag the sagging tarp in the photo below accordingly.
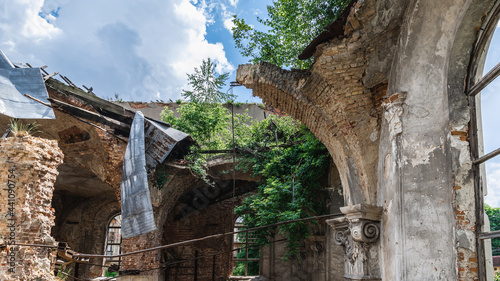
(137, 211)
(14, 83)
(150, 142)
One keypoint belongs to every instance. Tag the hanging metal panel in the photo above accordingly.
(137, 211)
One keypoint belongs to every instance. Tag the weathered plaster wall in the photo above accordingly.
(28, 170)
(424, 203)
(466, 40)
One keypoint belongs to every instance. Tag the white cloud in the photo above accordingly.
(20, 21)
(140, 50)
(228, 24)
(233, 2)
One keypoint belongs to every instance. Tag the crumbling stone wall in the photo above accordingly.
(28, 170)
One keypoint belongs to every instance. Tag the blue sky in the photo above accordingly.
(138, 49)
(490, 113)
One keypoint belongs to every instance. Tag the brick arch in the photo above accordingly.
(343, 115)
(164, 201)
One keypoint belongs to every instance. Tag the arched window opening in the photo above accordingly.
(484, 93)
(113, 246)
(245, 251)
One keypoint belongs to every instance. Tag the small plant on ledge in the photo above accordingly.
(17, 128)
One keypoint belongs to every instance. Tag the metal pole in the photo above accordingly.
(196, 265)
(213, 268)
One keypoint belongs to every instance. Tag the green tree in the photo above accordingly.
(291, 25)
(207, 85)
(494, 217)
(204, 117)
(282, 152)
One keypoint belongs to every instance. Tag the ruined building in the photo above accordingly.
(394, 94)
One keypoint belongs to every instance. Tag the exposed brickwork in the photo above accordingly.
(464, 206)
(334, 101)
(214, 219)
(113, 164)
(31, 166)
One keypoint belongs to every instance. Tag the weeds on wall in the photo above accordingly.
(63, 272)
(17, 127)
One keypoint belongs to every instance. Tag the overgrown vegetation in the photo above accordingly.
(290, 26)
(285, 155)
(206, 85)
(290, 163)
(63, 272)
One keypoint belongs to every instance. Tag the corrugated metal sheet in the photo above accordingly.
(4, 61)
(14, 83)
(137, 211)
(150, 142)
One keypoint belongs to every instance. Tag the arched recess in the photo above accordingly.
(466, 66)
(83, 206)
(202, 211)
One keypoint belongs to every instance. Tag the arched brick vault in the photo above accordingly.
(339, 98)
(181, 182)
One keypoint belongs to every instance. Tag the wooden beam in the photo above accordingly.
(89, 115)
(104, 107)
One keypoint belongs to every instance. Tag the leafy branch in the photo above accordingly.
(290, 26)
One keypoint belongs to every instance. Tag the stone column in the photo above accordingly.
(358, 233)
(28, 170)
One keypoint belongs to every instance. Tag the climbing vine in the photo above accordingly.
(285, 155)
(290, 163)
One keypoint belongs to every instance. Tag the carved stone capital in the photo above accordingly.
(356, 232)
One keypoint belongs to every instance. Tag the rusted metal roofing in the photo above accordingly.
(161, 139)
(334, 30)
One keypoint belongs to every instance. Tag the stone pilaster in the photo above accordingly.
(357, 232)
